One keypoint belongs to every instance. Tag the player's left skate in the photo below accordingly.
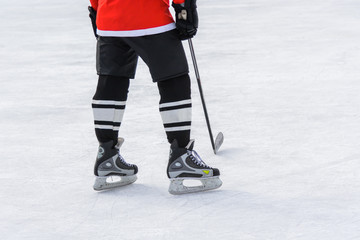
(111, 169)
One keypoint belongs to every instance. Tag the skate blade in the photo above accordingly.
(177, 186)
(108, 182)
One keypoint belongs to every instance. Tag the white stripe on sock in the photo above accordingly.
(173, 129)
(109, 102)
(108, 114)
(177, 115)
(114, 128)
(172, 104)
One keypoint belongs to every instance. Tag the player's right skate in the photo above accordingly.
(186, 164)
(110, 169)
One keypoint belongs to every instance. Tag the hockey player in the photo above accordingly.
(125, 30)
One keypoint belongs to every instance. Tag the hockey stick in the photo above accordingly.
(220, 137)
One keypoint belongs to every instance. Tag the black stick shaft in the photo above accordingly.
(201, 92)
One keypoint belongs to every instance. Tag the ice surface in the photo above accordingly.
(281, 80)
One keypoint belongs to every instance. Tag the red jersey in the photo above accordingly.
(130, 18)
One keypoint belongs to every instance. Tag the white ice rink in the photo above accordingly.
(281, 80)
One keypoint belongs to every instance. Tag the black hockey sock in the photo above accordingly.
(175, 108)
(108, 106)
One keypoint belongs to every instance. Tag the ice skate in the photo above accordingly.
(185, 164)
(111, 170)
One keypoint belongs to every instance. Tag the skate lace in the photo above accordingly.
(124, 162)
(194, 156)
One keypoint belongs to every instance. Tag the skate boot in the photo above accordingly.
(110, 169)
(186, 164)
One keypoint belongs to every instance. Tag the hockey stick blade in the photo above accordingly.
(218, 141)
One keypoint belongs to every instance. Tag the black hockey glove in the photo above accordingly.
(187, 20)
(92, 15)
